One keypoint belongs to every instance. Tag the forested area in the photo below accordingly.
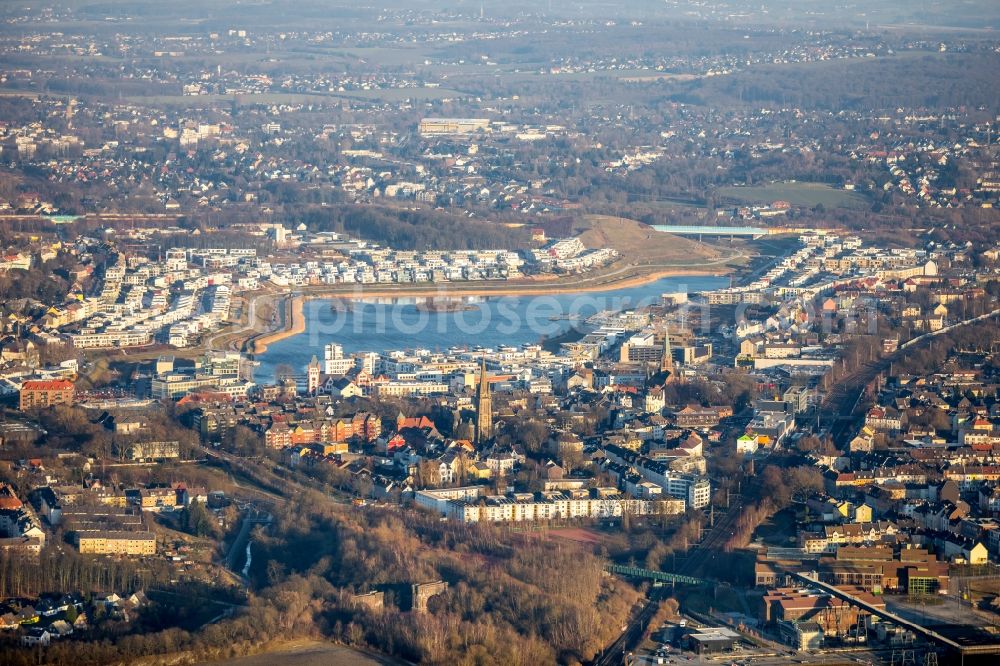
(67, 570)
(512, 598)
(908, 81)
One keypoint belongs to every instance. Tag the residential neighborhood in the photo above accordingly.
(500, 333)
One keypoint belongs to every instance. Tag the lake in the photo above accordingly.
(387, 324)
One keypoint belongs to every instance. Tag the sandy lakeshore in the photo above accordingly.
(295, 323)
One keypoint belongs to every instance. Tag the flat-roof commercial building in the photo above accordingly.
(439, 126)
(711, 640)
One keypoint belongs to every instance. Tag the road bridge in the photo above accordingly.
(701, 230)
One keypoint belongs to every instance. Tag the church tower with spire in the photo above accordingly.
(484, 406)
(667, 361)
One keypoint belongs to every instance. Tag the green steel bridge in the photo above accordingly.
(651, 574)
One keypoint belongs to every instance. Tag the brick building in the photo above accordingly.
(45, 393)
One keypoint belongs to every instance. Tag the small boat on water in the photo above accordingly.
(341, 305)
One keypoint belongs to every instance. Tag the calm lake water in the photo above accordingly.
(403, 323)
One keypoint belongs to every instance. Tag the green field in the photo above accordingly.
(797, 194)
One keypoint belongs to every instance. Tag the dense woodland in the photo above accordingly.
(69, 571)
(512, 598)
(909, 81)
